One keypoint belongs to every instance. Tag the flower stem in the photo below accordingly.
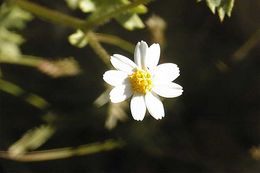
(98, 49)
(57, 17)
(114, 40)
(26, 60)
(241, 53)
(62, 153)
(94, 20)
(48, 14)
(86, 26)
(17, 91)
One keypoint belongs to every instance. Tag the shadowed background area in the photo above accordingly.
(213, 127)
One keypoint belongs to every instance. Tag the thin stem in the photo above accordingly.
(114, 40)
(97, 20)
(26, 60)
(86, 26)
(63, 153)
(32, 99)
(97, 47)
(48, 14)
(57, 17)
(246, 47)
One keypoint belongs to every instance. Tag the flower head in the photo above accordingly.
(144, 80)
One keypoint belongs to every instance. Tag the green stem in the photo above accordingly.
(26, 60)
(86, 26)
(97, 47)
(94, 21)
(63, 153)
(17, 91)
(241, 53)
(114, 40)
(48, 14)
(57, 17)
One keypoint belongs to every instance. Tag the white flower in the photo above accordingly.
(144, 80)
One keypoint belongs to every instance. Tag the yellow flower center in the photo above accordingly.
(141, 81)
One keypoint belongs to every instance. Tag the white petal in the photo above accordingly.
(122, 63)
(153, 56)
(137, 106)
(115, 77)
(166, 73)
(141, 49)
(120, 93)
(154, 105)
(137, 56)
(169, 90)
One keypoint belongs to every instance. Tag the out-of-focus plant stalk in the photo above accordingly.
(86, 26)
(241, 53)
(32, 139)
(246, 47)
(115, 40)
(93, 21)
(63, 153)
(48, 14)
(57, 17)
(30, 98)
(97, 47)
(26, 60)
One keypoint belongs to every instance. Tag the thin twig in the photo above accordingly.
(115, 40)
(31, 98)
(63, 153)
(94, 21)
(246, 47)
(48, 14)
(97, 47)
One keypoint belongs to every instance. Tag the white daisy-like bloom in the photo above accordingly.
(144, 80)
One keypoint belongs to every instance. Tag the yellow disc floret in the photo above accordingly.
(141, 81)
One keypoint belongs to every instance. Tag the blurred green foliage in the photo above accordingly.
(51, 114)
(223, 7)
(12, 19)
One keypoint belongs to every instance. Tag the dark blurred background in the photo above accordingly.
(212, 127)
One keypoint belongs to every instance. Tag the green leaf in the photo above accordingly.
(73, 4)
(32, 139)
(87, 6)
(11, 19)
(213, 4)
(78, 39)
(228, 6)
(130, 22)
(129, 19)
(223, 7)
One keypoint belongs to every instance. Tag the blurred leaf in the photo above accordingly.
(130, 22)
(73, 4)
(87, 6)
(129, 19)
(31, 140)
(78, 39)
(116, 112)
(255, 152)
(102, 99)
(9, 43)
(223, 7)
(11, 18)
(60, 68)
(213, 4)
(157, 26)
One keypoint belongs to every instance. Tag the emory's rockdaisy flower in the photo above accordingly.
(144, 80)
